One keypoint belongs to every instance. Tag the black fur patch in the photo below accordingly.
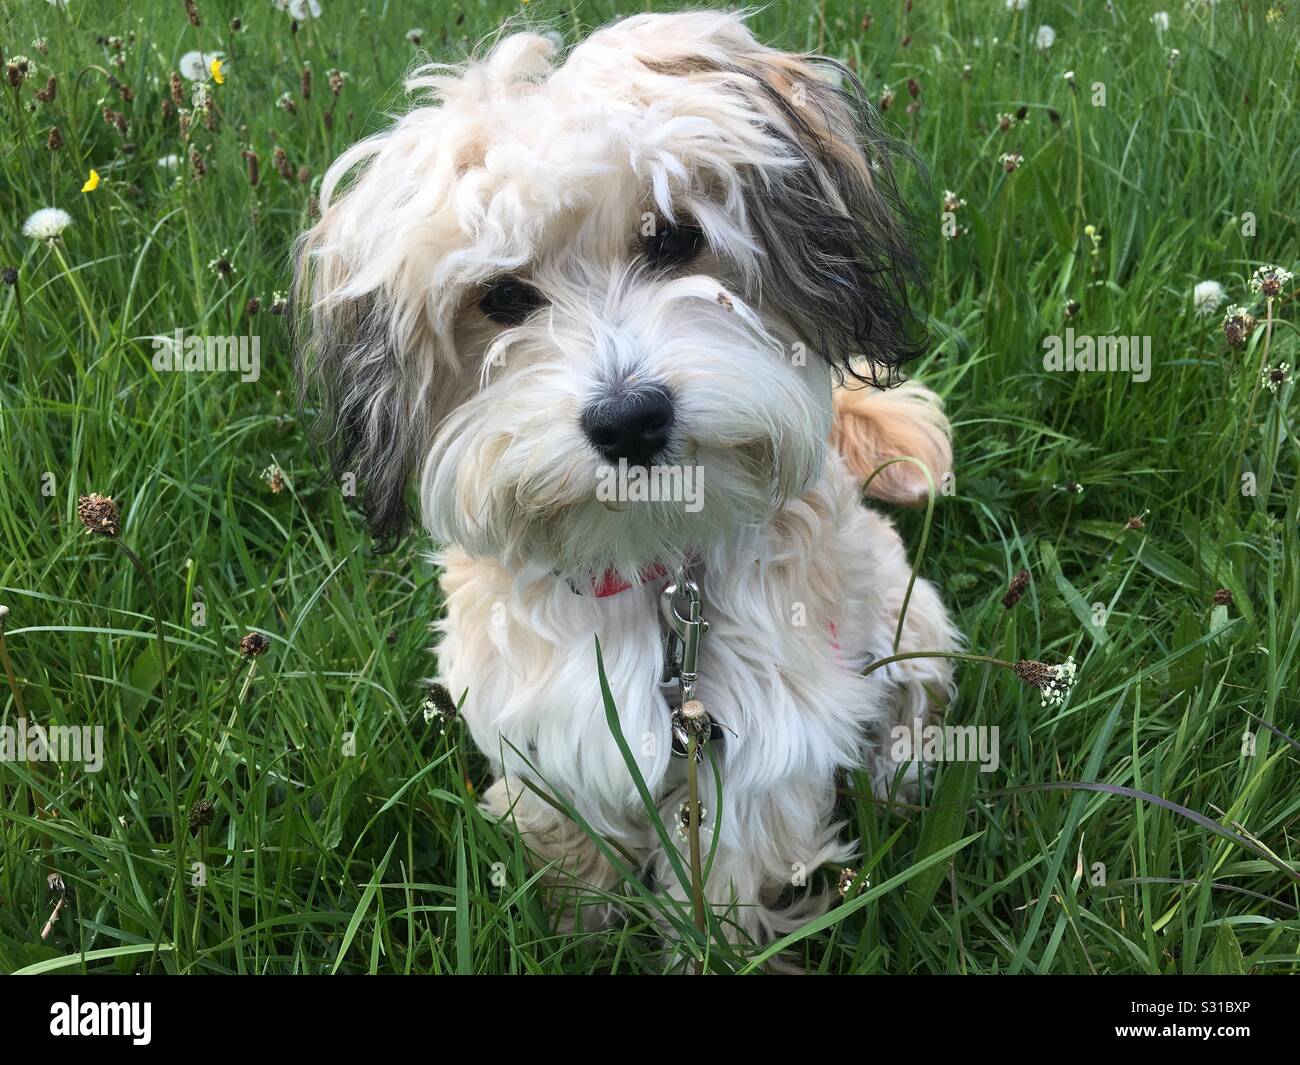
(363, 421)
(840, 258)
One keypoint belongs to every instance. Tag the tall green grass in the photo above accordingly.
(319, 859)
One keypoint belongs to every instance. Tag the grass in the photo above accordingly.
(344, 835)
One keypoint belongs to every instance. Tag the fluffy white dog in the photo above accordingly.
(678, 251)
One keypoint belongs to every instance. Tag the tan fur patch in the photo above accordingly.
(872, 427)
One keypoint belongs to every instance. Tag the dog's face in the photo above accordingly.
(657, 254)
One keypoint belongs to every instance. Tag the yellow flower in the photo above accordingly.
(92, 182)
(217, 76)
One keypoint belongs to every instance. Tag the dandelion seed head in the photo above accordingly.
(47, 224)
(1208, 297)
(197, 65)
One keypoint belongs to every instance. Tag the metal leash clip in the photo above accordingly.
(680, 656)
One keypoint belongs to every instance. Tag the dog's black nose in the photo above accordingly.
(635, 425)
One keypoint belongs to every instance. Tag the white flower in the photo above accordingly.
(1059, 684)
(169, 162)
(47, 224)
(1045, 37)
(1208, 297)
(1270, 280)
(302, 10)
(1277, 376)
(1160, 20)
(196, 65)
(1017, 5)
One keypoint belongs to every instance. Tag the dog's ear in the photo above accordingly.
(822, 201)
(366, 411)
(871, 427)
(838, 236)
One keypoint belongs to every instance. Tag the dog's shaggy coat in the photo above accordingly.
(561, 182)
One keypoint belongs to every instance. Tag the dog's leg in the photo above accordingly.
(581, 874)
(918, 689)
(762, 882)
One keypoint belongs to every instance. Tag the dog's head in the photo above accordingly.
(658, 253)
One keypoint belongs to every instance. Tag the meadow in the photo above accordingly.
(285, 805)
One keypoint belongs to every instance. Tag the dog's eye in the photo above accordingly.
(674, 244)
(509, 301)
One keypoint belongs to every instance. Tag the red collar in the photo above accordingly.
(614, 582)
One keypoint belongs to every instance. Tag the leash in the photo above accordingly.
(692, 727)
(682, 607)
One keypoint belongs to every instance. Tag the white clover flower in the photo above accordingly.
(1160, 20)
(47, 224)
(1045, 37)
(197, 65)
(1208, 297)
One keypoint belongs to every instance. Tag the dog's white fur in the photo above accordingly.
(517, 166)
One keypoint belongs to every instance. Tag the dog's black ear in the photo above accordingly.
(362, 410)
(840, 262)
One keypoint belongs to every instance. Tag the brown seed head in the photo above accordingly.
(201, 815)
(99, 514)
(1016, 589)
(1223, 597)
(1035, 674)
(443, 704)
(253, 645)
(192, 12)
(282, 165)
(1238, 324)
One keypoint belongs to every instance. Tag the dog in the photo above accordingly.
(675, 249)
